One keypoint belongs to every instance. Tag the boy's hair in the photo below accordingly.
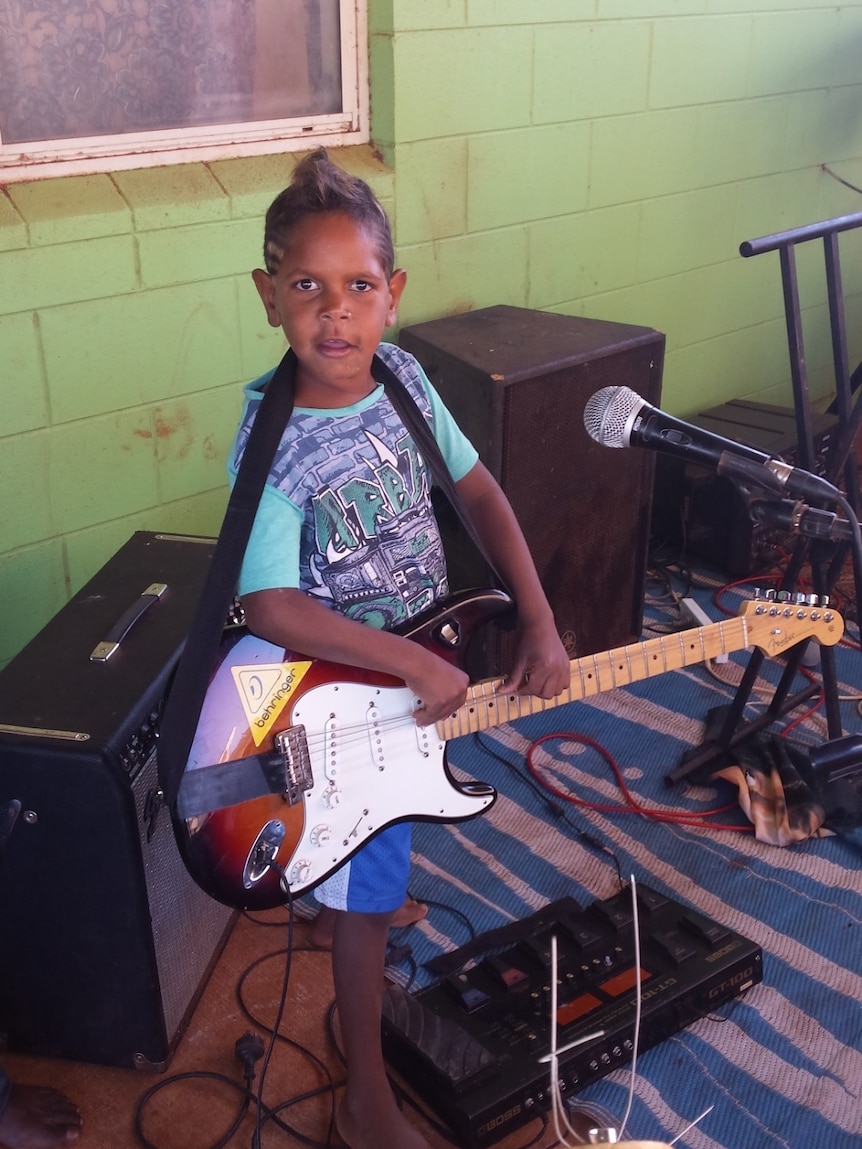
(319, 186)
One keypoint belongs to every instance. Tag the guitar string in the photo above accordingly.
(482, 711)
(479, 701)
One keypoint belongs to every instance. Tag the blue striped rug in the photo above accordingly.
(783, 1065)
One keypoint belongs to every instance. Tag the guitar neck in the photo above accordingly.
(597, 673)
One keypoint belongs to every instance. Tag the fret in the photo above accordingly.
(593, 674)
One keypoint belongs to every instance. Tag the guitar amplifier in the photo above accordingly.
(106, 941)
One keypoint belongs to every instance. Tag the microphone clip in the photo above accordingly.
(775, 475)
(798, 518)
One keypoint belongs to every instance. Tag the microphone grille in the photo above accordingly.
(607, 414)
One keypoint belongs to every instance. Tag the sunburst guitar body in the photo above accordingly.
(343, 758)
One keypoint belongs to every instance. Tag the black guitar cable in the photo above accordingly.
(556, 808)
(248, 1049)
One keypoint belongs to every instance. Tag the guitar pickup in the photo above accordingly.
(292, 745)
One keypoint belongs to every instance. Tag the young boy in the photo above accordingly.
(345, 536)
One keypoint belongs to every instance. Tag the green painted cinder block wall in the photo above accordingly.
(602, 158)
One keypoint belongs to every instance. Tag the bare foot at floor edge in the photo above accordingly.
(37, 1117)
(320, 934)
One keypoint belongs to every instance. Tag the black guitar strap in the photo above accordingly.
(191, 679)
(198, 791)
(414, 421)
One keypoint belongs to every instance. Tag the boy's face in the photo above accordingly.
(332, 298)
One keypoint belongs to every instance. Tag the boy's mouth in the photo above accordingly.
(334, 347)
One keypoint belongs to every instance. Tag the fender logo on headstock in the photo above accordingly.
(776, 624)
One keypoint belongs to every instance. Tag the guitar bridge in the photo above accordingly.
(292, 745)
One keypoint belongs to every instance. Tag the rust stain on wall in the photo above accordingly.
(178, 424)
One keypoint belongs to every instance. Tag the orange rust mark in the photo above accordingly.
(179, 424)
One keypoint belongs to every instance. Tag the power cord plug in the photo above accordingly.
(249, 1049)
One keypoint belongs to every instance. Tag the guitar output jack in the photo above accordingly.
(263, 852)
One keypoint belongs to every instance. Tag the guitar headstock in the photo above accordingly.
(782, 620)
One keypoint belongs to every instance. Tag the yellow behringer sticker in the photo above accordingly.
(264, 691)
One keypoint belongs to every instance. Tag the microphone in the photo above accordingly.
(619, 417)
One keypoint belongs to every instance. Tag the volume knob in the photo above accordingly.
(320, 835)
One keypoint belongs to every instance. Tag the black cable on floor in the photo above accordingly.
(248, 1050)
(556, 808)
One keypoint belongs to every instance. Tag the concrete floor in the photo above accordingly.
(195, 1113)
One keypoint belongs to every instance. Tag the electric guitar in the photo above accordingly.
(297, 762)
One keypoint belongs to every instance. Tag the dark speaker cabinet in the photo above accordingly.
(517, 381)
(106, 941)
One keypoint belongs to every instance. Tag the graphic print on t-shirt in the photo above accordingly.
(378, 552)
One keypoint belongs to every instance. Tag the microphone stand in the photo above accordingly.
(841, 460)
(716, 753)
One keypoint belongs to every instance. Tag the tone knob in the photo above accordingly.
(320, 835)
(332, 798)
(301, 873)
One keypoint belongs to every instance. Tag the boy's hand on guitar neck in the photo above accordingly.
(441, 686)
(541, 666)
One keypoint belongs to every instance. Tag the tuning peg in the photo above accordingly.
(764, 595)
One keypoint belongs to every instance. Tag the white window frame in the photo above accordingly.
(94, 154)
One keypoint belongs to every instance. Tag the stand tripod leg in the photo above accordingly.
(714, 752)
(711, 754)
(734, 730)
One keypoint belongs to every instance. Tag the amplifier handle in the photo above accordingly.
(110, 644)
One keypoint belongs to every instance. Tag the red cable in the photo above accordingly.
(680, 818)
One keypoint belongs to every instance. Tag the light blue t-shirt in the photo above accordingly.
(346, 514)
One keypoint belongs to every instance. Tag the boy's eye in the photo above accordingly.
(362, 285)
(305, 285)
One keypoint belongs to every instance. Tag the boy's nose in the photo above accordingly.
(335, 307)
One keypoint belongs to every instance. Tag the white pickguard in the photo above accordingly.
(372, 766)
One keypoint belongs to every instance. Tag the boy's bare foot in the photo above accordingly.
(320, 934)
(409, 914)
(376, 1126)
(36, 1117)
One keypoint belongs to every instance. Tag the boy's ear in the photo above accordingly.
(266, 290)
(396, 287)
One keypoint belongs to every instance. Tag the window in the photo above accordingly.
(100, 85)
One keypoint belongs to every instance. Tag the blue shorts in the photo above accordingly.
(374, 881)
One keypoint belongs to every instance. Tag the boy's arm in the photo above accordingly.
(289, 618)
(541, 664)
